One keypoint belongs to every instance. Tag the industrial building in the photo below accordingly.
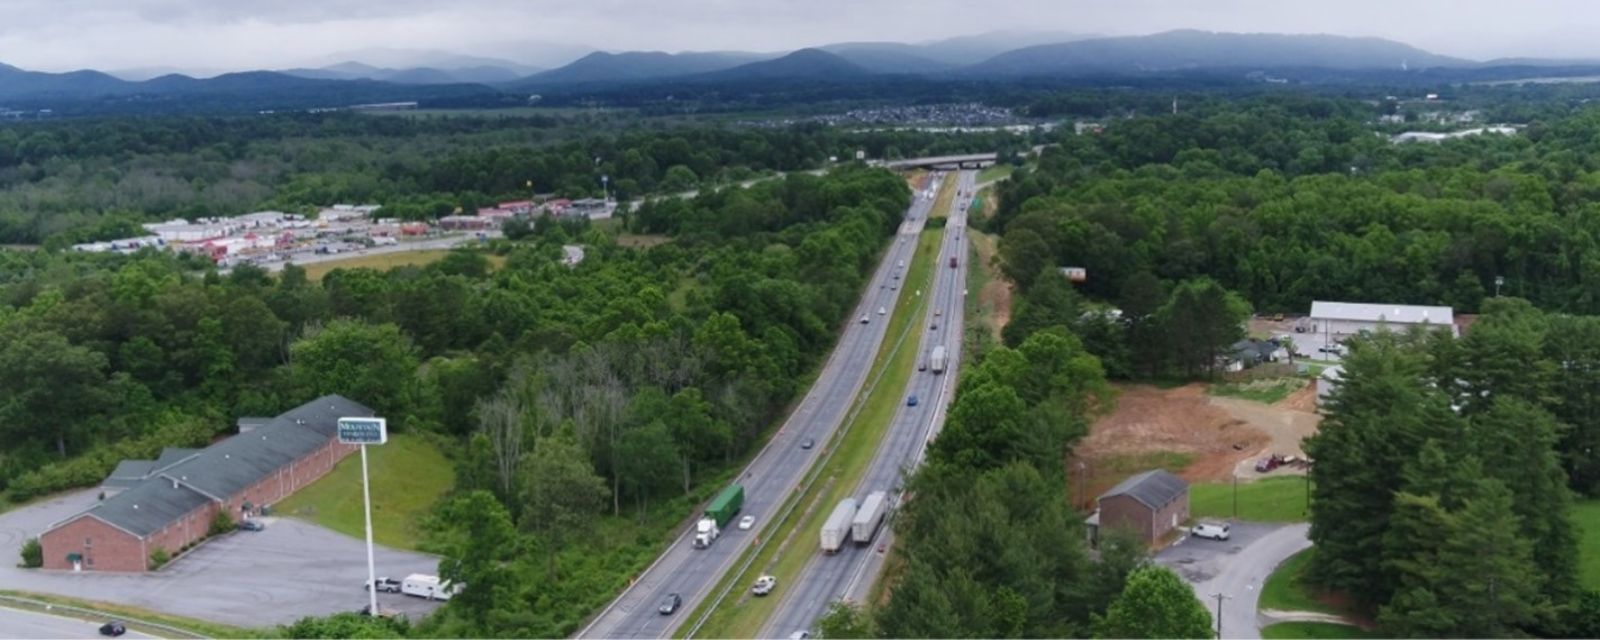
(169, 503)
(1335, 321)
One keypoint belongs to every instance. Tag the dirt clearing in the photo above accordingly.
(1200, 437)
(995, 296)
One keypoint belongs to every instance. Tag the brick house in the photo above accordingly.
(171, 501)
(1149, 504)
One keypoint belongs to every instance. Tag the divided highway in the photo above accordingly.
(849, 574)
(776, 471)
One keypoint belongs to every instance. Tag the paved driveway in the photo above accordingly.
(1236, 568)
(291, 570)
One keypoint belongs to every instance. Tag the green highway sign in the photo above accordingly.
(363, 430)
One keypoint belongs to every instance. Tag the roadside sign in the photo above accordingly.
(363, 430)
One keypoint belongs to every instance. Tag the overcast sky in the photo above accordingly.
(56, 35)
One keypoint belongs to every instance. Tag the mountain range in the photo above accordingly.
(994, 56)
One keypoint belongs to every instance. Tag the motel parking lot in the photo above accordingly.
(291, 570)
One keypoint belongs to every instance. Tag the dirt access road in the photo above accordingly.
(1202, 438)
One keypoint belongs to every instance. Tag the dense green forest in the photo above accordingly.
(94, 179)
(571, 397)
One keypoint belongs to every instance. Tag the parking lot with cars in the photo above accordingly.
(288, 570)
(1236, 568)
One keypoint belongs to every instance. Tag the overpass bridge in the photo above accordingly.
(969, 161)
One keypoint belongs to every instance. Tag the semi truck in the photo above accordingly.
(869, 517)
(836, 529)
(717, 515)
(936, 359)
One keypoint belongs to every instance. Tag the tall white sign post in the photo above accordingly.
(365, 431)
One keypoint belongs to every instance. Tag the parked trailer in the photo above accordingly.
(936, 360)
(837, 528)
(425, 586)
(869, 517)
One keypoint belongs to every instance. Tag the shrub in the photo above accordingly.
(221, 524)
(159, 558)
(32, 554)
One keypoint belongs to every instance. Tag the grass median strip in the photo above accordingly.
(740, 615)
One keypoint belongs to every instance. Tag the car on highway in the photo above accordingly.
(882, 311)
(670, 604)
(764, 585)
(746, 522)
(938, 312)
(800, 635)
(934, 326)
(807, 443)
(911, 401)
(251, 525)
(386, 585)
(1211, 530)
(865, 319)
(113, 629)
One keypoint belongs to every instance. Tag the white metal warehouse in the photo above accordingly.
(1338, 320)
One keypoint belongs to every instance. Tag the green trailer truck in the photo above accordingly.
(718, 514)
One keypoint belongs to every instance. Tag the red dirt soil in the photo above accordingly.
(1183, 420)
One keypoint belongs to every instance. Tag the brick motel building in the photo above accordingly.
(171, 501)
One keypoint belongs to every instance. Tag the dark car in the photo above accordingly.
(808, 443)
(113, 629)
(911, 402)
(388, 585)
(670, 604)
(251, 525)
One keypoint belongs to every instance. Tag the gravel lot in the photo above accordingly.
(291, 570)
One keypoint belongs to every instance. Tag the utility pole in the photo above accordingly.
(1220, 597)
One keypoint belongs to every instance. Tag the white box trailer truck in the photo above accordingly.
(869, 517)
(425, 586)
(936, 360)
(836, 529)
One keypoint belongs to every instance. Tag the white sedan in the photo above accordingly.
(746, 522)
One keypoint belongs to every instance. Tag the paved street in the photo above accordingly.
(249, 579)
(850, 573)
(776, 471)
(1236, 569)
(17, 623)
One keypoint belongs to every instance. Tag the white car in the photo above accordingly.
(881, 311)
(747, 522)
(764, 585)
(1212, 530)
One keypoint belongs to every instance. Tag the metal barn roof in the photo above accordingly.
(1396, 313)
(1154, 488)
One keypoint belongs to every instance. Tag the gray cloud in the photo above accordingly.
(237, 34)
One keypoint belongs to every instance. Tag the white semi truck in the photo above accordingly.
(836, 530)
(869, 517)
(936, 360)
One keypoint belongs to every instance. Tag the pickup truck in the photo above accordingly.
(764, 585)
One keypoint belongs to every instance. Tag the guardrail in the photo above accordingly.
(51, 607)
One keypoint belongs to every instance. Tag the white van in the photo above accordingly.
(1212, 530)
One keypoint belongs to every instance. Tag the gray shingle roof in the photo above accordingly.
(1154, 488)
(148, 507)
(222, 469)
(129, 473)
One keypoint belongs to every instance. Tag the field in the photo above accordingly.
(385, 261)
(995, 172)
(1586, 515)
(1313, 631)
(1284, 591)
(1263, 390)
(1269, 500)
(408, 475)
(742, 616)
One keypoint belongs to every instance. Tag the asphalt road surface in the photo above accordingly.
(777, 470)
(850, 573)
(1235, 568)
(17, 623)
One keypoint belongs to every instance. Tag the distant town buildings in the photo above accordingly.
(1429, 136)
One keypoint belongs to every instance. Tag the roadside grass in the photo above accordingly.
(386, 261)
(1586, 514)
(1268, 500)
(1314, 630)
(409, 474)
(995, 172)
(1285, 589)
(131, 617)
(792, 541)
(1263, 390)
(981, 333)
(946, 195)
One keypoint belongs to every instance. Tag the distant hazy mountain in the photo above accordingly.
(641, 65)
(805, 64)
(1187, 49)
(139, 74)
(16, 82)
(965, 50)
(388, 58)
(415, 75)
(888, 57)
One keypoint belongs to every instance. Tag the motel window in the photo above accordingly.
(89, 561)
(88, 541)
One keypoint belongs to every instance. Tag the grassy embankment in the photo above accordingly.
(409, 474)
(1266, 500)
(385, 261)
(740, 615)
(131, 617)
(1264, 390)
(995, 172)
